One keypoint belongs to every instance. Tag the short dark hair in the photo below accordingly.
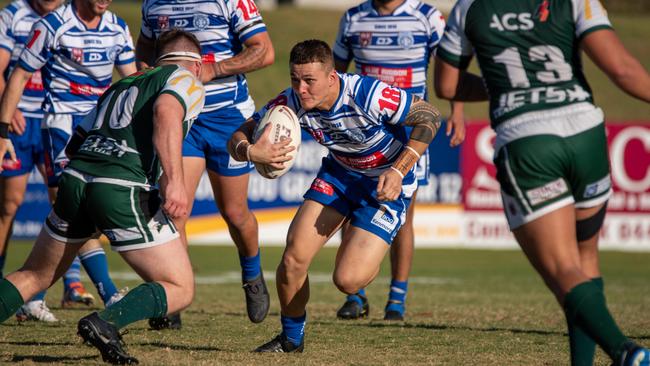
(311, 50)
(169, 40)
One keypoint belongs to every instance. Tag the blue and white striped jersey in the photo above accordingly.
(395, 48)
(16, 20)
(363, 131)
(222, 26)
(76, 62)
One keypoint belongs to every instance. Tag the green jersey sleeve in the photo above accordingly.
(189, 91)
(589, 16)
(455, 48)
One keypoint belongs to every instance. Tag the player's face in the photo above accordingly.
(43, 7)
(314, 84)
(99, 7)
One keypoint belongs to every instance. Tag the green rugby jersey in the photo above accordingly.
(528, 50)
(120, 129)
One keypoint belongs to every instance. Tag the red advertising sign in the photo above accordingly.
(629, 150)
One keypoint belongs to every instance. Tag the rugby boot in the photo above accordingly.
(35, 310)
(281, 344)
(257, 298)
(106, 338)
(172, 321)
(355, 307)
(634, 355)
(76, 294)
(394, 311)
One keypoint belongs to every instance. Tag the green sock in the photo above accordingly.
(10, 299)
(143, 302)
(585, 306)
(582, 346)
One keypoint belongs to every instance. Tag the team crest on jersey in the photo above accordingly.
(77, 55)
(201, 21)
(365, 38)
(316, 134)
(112, 52)
(163, 21)
(405, 39)
(543, 12)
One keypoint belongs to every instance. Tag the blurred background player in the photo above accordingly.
(75, 47)
(414, 30)
(551, 149)
(368, 177)
(234, 41)
(16, 21)
(128, 150)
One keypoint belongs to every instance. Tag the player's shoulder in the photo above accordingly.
(58, 17)
(14, 8)
(114, 20)
(359, 10)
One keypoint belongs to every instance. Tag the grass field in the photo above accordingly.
(464, 307)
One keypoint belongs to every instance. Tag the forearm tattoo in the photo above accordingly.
(250, 59)
(405, 161)
(425, 120)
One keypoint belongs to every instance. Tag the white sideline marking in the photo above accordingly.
(315, 277)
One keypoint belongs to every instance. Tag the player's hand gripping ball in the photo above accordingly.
(284, 124)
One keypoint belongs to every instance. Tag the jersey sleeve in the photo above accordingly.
(126, 55)
(189, 91)
(589, 16)
(383, 103)
(39, 46)
(145, 28)
(342, 49)
(7, 40)
(246, 19)
(455, 48)
(437, 25)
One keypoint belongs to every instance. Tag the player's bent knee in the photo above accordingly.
(587, 228)
(10, 206)
(294, 265)
(236, 215)
(347, 284)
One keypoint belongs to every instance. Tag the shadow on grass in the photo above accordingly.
(51, 359)
(459, 327)
(178, 347)
(38, 343)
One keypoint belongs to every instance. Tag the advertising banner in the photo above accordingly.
(627, 225)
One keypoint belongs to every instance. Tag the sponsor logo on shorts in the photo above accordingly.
(117, 235)
(322, 186)
(234, 164)
(596, 188)
(547, 191)
(385, 218)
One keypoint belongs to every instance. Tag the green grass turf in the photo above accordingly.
(464, 307)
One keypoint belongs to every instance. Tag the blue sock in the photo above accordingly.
(39, 296)
(73, 274)
(96, 266)
(355, 297)
(2, 265)
(397, 295)
(294, 328)
(250, 266)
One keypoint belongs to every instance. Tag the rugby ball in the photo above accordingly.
(284, 124)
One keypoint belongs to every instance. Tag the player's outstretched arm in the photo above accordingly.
(425, 121)
(452, 83)
(258, 53)
(168, 116)
(144, 52)
(606, 50)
